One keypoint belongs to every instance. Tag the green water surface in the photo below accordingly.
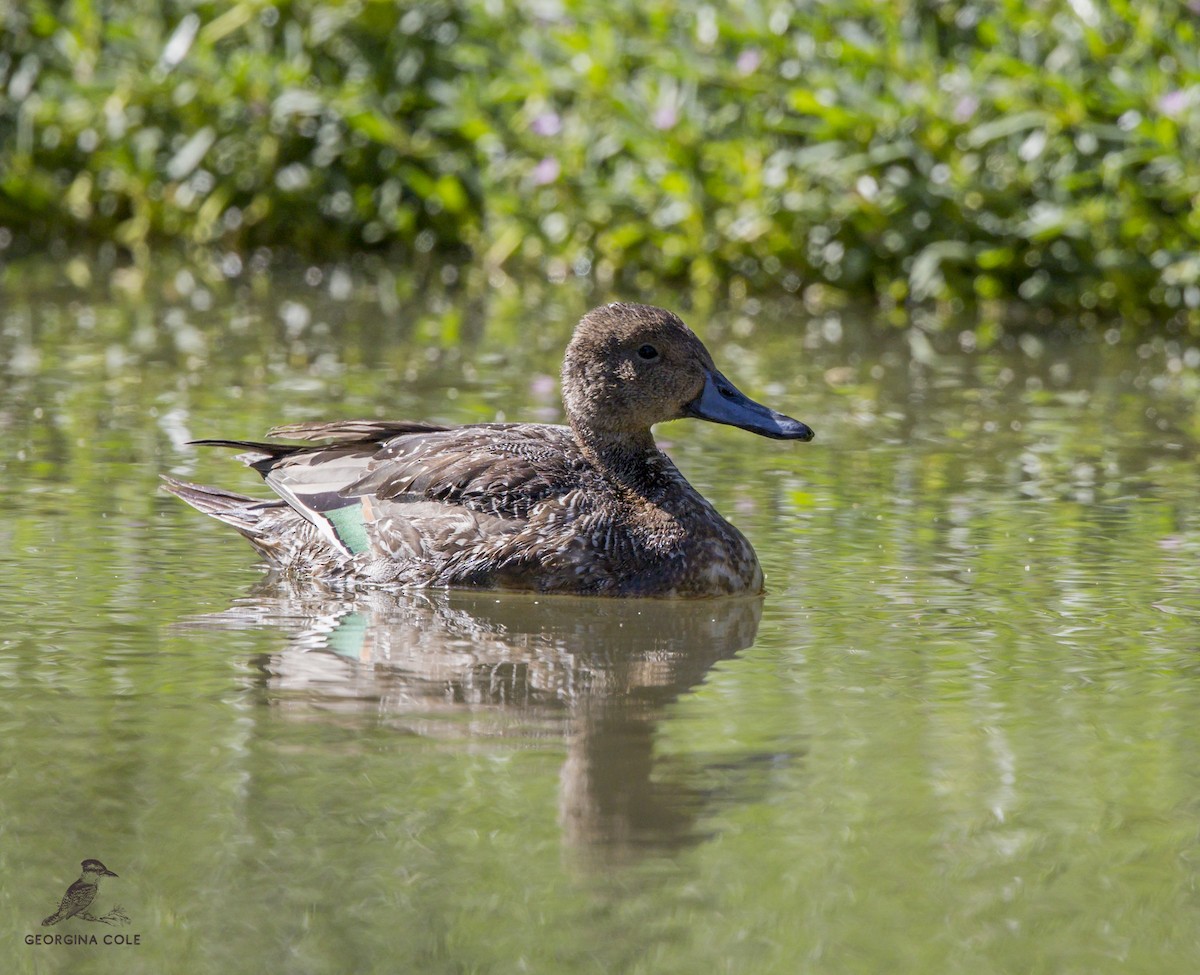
(960, 733)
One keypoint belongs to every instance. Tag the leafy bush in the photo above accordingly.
(314, 126)
(1044, 152)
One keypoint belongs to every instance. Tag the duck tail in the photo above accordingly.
(239, 510)
(261, 456)
(258, 519)
(275, 530)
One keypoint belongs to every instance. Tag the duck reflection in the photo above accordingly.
(595, 673)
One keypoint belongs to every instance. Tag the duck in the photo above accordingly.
(590, 507)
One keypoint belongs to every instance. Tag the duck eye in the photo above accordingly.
(648, 352)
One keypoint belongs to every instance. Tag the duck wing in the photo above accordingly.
(425, 494)
(497, 469)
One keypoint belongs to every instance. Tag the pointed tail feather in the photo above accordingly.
(268, 449)
(278, 532)
(239, 510)
(260, 456)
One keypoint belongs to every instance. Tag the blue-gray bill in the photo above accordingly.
(722, 402)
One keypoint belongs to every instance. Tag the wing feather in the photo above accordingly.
(471, 466)
(341, 431)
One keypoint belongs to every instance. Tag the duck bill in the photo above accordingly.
(722, 402)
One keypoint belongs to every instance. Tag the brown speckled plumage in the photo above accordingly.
(590, 508)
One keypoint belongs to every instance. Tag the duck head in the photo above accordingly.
(631, 366)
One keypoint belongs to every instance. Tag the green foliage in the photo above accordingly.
(1041, 152)
(314, 126)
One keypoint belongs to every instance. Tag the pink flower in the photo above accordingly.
(548, 123)
(546, 171)
(749, 60)
(966, 107)
(1173, 102)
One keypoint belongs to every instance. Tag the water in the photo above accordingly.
(961, 732)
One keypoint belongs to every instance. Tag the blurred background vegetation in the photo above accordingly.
(1041, 153)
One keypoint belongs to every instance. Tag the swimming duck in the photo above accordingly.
(590, 508)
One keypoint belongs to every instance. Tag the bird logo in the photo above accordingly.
(79, 897)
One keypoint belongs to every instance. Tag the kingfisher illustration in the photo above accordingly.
(81, 893)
